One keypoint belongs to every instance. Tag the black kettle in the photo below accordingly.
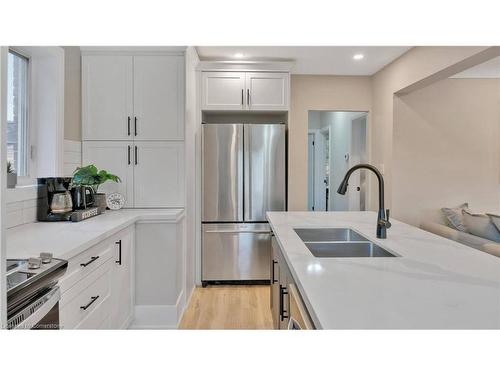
(83, 197)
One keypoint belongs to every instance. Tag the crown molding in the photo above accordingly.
(247, 66)
(135, 50)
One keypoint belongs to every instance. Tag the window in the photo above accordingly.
(17, 113)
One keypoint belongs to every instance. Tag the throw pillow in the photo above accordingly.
(455, 217)
(480, 225)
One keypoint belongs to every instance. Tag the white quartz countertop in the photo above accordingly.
(66, 239)
(434, 283)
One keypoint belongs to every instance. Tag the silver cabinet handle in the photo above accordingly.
(248, 96)
(241, 96)
(135, 154)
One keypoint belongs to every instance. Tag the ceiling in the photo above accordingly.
(488, 69)
(311, 60)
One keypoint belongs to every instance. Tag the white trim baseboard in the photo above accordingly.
(159, 316)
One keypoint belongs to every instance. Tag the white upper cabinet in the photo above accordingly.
(267, 91)
(158, 174)
(107, 83)
(158, 98)
(132, 97)
(245, 91)
(117, 158)
(223, 91)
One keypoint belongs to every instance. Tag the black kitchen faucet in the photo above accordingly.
(383, 215)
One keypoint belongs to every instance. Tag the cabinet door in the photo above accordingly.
(106, 97)
(122, 281)
(275, 285)
(223, 91)
(267, 91)
(158, 174)
(284, 280)
(116, 158)
(158, 98)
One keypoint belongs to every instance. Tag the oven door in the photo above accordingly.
(41, 311)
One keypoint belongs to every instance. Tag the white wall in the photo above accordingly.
(446, 149)
(3, 182)
(319, 93)
(192, 128)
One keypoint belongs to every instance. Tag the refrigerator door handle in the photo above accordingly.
(247, 189)
(240, 188)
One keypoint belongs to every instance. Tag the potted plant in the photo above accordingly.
(90, 176)
(11, 176)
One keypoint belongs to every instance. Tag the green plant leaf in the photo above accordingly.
(91, 176)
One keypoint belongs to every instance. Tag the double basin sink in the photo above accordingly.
(339, 243)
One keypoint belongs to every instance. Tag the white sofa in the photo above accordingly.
(468, 239)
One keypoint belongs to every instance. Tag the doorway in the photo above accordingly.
(336, 142)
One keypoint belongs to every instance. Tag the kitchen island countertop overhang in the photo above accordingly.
(434, 283)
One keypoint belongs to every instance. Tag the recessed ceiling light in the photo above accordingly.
(358, 56)
(238, 55)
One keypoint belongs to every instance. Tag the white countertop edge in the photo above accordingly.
(96, 236)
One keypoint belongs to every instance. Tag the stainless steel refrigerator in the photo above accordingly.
(244, 176)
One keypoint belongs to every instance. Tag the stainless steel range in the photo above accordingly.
(32, 292)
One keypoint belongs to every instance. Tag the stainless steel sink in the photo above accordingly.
(339, 243)
(328, 234)
(347, 250)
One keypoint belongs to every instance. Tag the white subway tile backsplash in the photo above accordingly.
(22, 206)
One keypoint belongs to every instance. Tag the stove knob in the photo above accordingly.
(46, 257)
(34, 263)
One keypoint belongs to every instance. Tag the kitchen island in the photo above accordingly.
(432, 283)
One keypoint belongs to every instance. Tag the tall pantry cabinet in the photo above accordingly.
(133, 123)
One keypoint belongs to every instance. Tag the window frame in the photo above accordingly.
(30, 178)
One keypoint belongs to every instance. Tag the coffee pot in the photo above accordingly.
(61, 202)
(83, 197)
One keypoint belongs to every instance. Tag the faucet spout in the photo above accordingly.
(383, 222)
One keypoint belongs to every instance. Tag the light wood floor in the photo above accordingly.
(228, 307)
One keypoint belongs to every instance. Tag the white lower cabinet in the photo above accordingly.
(98, 287)
(132, 278)
(122, 281)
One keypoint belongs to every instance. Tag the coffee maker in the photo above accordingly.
(54, 199)
(58, 200)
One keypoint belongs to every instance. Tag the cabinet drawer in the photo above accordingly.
(98, 318)
(84, 264)
(91, 292)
